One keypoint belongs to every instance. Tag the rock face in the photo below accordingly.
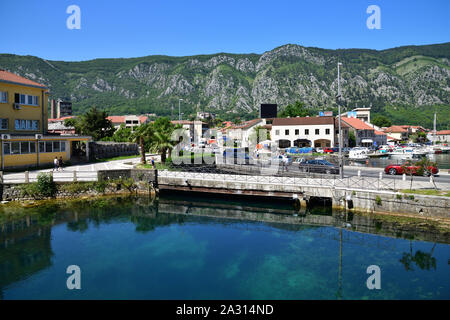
(228, 83)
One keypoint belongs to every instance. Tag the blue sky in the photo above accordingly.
(132, 28)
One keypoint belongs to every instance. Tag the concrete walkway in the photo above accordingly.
(82, 172)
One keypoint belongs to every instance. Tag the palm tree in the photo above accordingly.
(138, 136)
(162, 142)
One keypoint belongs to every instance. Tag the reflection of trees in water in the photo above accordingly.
(424, 260)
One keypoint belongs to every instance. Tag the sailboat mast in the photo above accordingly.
(434, 129)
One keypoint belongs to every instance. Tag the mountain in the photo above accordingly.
(410, 77)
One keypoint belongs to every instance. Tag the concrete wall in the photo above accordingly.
(103, 149)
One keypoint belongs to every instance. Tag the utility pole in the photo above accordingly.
(341, 164)
(179, 109)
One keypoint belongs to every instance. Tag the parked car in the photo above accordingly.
(319, 150)
(328, 150)
(394, 169)
(238, 155)
(319, 166)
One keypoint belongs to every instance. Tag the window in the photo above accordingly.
(317, 131)
(297, 132)
(28, 124)
(35, 125)
(35, 100)
(24, 147)
(41, 146)
(56, 146)
(3, 124)
(15, 147)
(277, 132)
(48, 146)
(22, 98)
(327, 131)
(306, 132)
(286, 132)
(32, 147)
(6, 148)
(3, 97)
(27, 99)
(63, 146)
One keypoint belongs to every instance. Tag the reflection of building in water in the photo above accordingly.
(24, 250)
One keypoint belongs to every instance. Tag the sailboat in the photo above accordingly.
(434, 149)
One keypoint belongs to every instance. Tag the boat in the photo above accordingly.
(358, 155)
(407, 153)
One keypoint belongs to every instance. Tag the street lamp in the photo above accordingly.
(179, 109)
(341, 165)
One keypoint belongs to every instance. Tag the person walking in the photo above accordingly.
(153, 163)
(56, 164)
(60, 163)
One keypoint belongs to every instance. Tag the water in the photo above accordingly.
(186, 248)
(442, 160)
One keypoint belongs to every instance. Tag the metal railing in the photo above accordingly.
(58, 176)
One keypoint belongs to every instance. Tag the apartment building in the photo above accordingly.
(24, 137)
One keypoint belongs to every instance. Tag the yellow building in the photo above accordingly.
(23, 126)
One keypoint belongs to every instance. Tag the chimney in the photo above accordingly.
(53, 109)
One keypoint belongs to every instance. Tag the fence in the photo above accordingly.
(58, 176)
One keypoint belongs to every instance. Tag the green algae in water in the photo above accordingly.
(135, 248)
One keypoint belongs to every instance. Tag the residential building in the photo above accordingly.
(401, 133)
(196, 129)
(442, 136)
(25, 141)
(129, 121)
(365, 135)
(57, 126)
(308, 132)
(205, 115)
(240, 133)
(362, 114)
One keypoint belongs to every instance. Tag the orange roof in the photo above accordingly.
(117, 119)
(246, 124)
(396, 129)
(443, 132)
(380, 133)
(357, 124)
(6, 76)
(59, 119)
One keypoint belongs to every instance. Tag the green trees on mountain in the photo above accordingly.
(381, 121)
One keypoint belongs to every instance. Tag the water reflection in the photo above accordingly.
(26, 239)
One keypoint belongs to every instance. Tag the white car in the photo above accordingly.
(319, 150)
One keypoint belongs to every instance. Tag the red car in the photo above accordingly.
(394, 169)
(328, 150)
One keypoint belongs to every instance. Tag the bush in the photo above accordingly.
(29, 190)
(46, 187)
(378, 200)
(399, 197)
(100, 186)
(77, 187)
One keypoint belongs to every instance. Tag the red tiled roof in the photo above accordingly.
(380, 133)
(60, 119)
(7, 76)
(357, 124)
(116, 119)
(299, 121)
(245, 124)
(443, 132)
(396, 129)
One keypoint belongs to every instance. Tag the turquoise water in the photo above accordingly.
(191, 249)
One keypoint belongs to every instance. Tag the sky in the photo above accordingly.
(132, 28)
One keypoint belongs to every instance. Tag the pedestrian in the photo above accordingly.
(56, 164)
(153, 163)
(60, 163)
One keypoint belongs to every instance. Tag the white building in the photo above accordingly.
(308, 132)
(240, 133)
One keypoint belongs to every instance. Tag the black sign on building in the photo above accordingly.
(268, 110)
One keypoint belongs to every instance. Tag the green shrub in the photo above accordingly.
(378, 200)
(411, 197)
(77, 187)
(29, 190)
(399, 197)
(45, 185)
(100, 186)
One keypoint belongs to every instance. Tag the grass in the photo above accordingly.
(428, 192)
